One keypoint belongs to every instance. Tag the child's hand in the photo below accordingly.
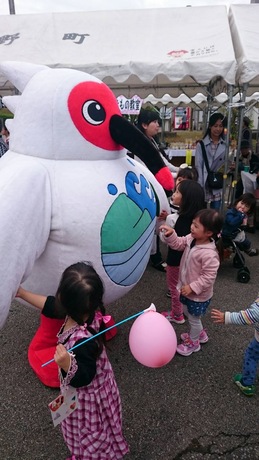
(186, 290)
(62, 357)
(244, 221)
(20, 292)
(239, 207)
(167, 231)
(163, 215)
(218, 316)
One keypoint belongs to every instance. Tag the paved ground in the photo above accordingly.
(189, 409)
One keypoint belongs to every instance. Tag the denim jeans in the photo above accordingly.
(215, 205)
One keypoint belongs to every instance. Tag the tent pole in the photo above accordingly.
(229, 114)
(11, 7)
(257, 132)
(163, 113)
(240, 129)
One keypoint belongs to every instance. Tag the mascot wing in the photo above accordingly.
(25, 214)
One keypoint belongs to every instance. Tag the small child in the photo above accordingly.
(235, 222)
(246, 380)
(188, 172)
(198, 271)
(189, 197)
(94, 429)
(185, 173)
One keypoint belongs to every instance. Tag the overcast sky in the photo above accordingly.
(46, 6)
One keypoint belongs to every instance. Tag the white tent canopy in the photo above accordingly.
(244, 25)
(198, 99)
(158, 51)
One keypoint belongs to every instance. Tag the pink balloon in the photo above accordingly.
(152, 339)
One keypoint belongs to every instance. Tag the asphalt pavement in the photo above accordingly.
(187, 410)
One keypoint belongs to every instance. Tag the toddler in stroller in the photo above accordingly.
(233, 233)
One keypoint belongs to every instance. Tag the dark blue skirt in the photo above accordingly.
(195, 308)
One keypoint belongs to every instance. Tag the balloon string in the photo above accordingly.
(102, 332)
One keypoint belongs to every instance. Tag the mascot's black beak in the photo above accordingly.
(130, 137)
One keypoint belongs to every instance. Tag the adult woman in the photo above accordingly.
(215, 147)
(148, 123)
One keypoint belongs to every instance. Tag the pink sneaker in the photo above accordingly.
(173, 318)
(203, 337)
(188, 347)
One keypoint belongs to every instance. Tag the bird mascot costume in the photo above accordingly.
(70, 192)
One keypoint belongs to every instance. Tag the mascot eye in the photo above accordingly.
(91, 106)
(94, 112)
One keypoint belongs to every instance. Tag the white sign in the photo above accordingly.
(129, 106)
(62, 406)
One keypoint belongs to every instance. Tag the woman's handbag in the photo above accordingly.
(215, 179)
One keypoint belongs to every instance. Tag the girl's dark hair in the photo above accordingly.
(80, 294)
(249, 200)
(213, 120)
(211, 220)
(146, 116)
(190, 173)
(193, 198)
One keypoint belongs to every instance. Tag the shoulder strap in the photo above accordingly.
(204, 156)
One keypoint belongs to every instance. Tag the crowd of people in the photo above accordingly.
(192, 231)
(195, 232)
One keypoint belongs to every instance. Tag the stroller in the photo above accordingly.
(230, 246)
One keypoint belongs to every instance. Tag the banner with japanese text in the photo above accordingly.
(129, 106)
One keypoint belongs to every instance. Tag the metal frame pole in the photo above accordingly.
(11, 7)
(241, 116)
(230, 99)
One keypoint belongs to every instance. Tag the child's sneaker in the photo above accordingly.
(252, 252)
(178, 319)
(173, 318)
(188, 347)
(203, 337)
(161, 266)
(247, 390)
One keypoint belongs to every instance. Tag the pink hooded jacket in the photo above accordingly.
(198, 267)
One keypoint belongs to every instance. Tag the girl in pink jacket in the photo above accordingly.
(198, 271)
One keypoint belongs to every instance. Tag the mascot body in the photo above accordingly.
(68, 190)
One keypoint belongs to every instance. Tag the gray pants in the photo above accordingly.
(195, 324)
